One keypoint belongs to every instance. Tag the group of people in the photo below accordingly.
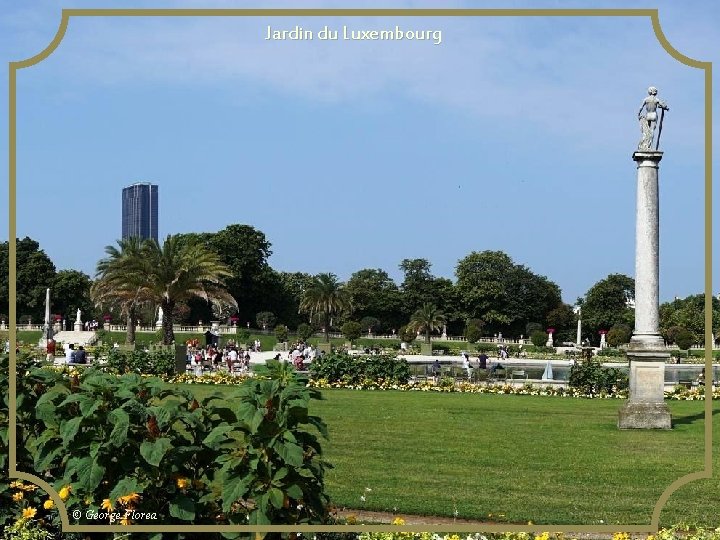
(212, 358)
(72, 355)
(301, 353)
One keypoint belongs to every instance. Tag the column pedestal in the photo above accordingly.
(646, 407)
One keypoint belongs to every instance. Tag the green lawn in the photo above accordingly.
(519, 458)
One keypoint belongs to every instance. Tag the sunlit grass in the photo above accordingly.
(509, 458)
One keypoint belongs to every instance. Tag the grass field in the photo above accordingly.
(510, 458)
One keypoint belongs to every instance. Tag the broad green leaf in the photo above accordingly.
(216, 436)
(126, 486)
(276, 497)
(294, 492)
(291, 453)
(89, 474)
(182, 507)
(154, 451)
(280, 474)
(69, 429)
(233, 489)
(88, 406)
(121, 422)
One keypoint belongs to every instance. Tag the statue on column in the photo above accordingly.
(649, 121)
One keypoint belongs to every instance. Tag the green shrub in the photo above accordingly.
(304, 331)
(351, 330)
(538, 338)
(281, 333)
(446, 349)
(685, 339)
(472, 333)
(355, 369)
(592, 378)
(154, 362)
(486, 347)
(408, 336)
(618, 335)
(610, 352)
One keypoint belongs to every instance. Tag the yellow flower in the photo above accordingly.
(621, 536)
(29, 512)
(17, 496)
(129, 499)
(107, 505)
(17, 484)
(125, 520)
(543, 536)
(49, 504)
(398, 521)
(182, 483)
(65, 492)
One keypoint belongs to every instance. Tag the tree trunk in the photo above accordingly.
(167, 323)
(327, 327)
(130, 330)
(427, 336)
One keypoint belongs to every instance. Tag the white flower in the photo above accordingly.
(362, 498)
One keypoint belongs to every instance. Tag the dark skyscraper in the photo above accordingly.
(140, 211)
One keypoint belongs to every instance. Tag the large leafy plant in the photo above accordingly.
(150, 453)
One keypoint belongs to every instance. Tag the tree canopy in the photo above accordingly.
(34, 274)
(606, 304)
(505, 295)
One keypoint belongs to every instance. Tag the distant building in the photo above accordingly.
(140, 211)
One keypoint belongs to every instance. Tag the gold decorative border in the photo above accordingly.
(654, 18)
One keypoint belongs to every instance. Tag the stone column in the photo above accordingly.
(647, 354)
(578, 337)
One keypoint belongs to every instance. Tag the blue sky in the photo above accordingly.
(514, 134)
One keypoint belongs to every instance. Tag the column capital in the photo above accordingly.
(647, 158)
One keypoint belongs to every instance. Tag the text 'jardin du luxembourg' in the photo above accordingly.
(298, 33)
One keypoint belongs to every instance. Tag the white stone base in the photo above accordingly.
(646, 408)
(644, 416)
(76, 337)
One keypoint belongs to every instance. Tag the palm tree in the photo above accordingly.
(120, 281)
(325, 296)
(180, 270)
(426, 319)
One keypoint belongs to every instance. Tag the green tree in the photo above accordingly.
(368, 323)
(563, 320)
(505, 295)
(689, 313)
(351, 330)
(120, 282)
(177, 271)
(618, 335)
(420, 287)
(70, 291)
(34, 274)
(291, 288)
(374, 294)
(325, 297)
(427, 319)
(244, 251)
(265, 319)
(606, 304)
